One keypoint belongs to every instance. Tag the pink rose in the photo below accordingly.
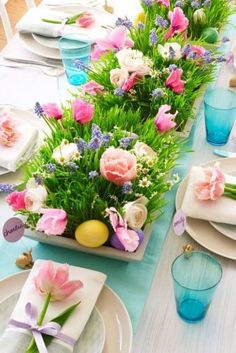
(132, 80)
(174, 81)
(82, 111)
(53, 221)
(16, 200)
(178, 22)
(166, 3)
(163, 120)
(8, 130)
(118, 166)
(92, 87)
(55, 281)
(85, 19)
(212, 185)
(52, 110)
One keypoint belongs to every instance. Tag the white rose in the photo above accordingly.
(143, 150)
(164, 51)
(134, 61)
(35, 196)
(119, 76)
(65, 152)
(136, 213)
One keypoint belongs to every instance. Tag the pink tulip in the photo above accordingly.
(118, 166)
(166, 3)
(212, 185)
(86, 19)
(55, 281)
(115, 40)
(16, 200)
(198, 50)
(164, 120)
(178, 22)
(128, 238)
(82, 111)
(132, 80)
(53, 221)
(92, 87)
(8, 130)
(174, 81)
(52, 110)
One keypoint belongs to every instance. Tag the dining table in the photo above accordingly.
(157, 328)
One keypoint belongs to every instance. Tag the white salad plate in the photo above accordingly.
(202, 231)
(229, 230)
(114, 315)
(91, 340)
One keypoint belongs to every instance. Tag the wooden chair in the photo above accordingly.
(5, 18)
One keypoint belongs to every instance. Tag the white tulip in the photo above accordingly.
(165, 51)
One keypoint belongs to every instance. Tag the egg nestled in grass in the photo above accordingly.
(92, 233)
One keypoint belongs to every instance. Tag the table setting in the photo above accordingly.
(118, 178)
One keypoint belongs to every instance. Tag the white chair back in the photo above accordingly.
(5, 18)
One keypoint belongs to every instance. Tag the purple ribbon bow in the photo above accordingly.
(50, 329)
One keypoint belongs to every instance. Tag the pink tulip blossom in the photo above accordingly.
(118, 166)
(174, 81)
(52, 110)
(128, 238)
(16, 200)
(178, 22)
(164, 119)
(132, 80)
(212, 185)
(93, 88)
(54, 281)
(115, 40)
(53, 221)
(86, 19)
(82, 111)
(8, 130)
(166, 3)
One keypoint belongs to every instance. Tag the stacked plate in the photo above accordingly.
(217, 237)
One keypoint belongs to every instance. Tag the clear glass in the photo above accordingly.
(220, 114)
(195, 277)
(73, 47)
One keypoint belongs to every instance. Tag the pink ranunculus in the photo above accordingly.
(212, 185)
(166, 3)
(82, 111)
(178, 22)
(174, 81)
(115, 40)
(8, 131)
(53, 221)
(16, 200)
(128, 237)
(54, 281)
(132, 80)
(52, 110)
(93, 88)
(198, 50)
(164, 119)
(86, 19)
(118, 166)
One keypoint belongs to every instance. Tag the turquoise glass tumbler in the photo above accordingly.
(75, 52)
(195, 277)
(220, 114)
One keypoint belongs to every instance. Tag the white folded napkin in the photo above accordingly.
(11, 156)
(222, 210)
(32, 23)
(93, 282)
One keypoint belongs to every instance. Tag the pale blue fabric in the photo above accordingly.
(131, 281)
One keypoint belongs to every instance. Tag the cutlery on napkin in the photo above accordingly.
(16, 340)
(57, 63)
(222, 210)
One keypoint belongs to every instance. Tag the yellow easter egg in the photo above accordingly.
(92, 233)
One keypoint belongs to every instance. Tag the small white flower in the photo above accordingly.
(144, 183)
(65, 153)
(165, 51)
(134, 61)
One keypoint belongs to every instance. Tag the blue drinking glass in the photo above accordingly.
(195, 277)
(75, 52)
(220, 114)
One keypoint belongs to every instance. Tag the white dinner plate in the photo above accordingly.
(229, 230)
(114, 314)
(91, 340)
(31, 119)
(202, 231)
(46, 41)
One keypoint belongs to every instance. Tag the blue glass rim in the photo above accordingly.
(76, 36)
(202, 253)
(219, 89)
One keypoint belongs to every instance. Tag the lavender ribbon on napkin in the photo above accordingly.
(50, 329)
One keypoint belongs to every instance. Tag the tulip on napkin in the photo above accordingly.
(83, 286)
(207, 196)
